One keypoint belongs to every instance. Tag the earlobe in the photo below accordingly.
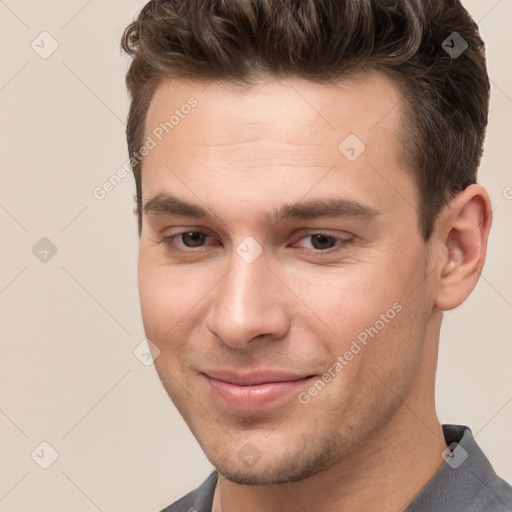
(462, 230)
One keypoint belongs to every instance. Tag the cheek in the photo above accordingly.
(162, 307)
(366, 313)
(344, 301)
(163, 298)
(173, 302)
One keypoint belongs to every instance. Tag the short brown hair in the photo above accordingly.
(447, 95)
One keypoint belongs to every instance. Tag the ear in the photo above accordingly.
(460, 242)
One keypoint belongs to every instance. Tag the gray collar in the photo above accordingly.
(466, 482)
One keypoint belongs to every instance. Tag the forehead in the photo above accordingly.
(282, 134)
(366, 105)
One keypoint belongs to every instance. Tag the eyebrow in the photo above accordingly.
(166, 204)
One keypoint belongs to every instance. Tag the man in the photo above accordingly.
(308, 208)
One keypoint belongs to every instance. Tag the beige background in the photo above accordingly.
(68, 327)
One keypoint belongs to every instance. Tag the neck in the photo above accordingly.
(383, 474)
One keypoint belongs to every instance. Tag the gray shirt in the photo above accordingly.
(466, 482)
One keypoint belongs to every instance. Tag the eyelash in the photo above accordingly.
(169, 241)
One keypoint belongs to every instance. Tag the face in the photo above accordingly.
(282, 272)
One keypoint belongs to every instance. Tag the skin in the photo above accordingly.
(370, 439)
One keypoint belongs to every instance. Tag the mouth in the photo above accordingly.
(252, 390)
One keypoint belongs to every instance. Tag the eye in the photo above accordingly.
(323, 242)
(193, 238)
(189, 239)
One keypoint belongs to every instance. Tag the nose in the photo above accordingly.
(249, 304)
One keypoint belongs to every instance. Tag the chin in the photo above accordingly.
(265, 477)
(277, 469)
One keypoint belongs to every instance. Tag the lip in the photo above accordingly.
(252, 390)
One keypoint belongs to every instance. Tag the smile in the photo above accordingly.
(254, 390)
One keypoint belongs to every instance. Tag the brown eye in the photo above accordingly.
(322, 242)
(193, 238)
(319, 243)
